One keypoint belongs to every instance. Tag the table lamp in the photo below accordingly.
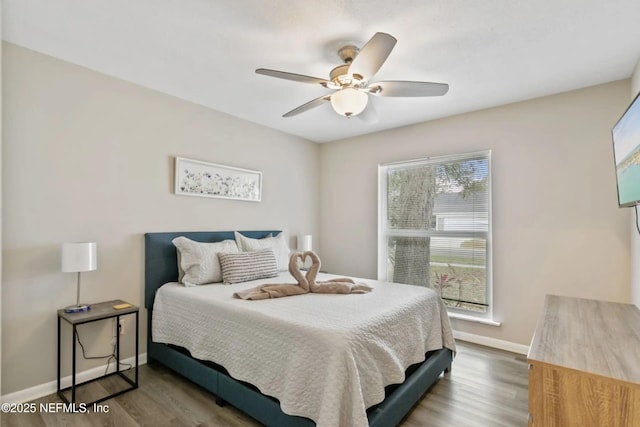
(304, 245)
(76, 258)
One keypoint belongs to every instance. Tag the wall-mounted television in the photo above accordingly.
(626, 153)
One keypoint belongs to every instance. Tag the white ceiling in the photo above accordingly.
(491, 52)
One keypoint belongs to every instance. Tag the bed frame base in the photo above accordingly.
(267, 410)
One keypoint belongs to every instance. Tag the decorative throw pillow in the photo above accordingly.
(245, 266)
(276, 243)
(198, 262)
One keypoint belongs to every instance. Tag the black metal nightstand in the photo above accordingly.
(100, 311)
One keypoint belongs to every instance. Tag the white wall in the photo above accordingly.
(90, 157)
(635, 238)
(557, 227)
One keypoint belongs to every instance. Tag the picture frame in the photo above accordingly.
(205, 179)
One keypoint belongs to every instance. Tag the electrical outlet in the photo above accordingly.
(114, 331)
(122, 323)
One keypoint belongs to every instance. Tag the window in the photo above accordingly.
(435, 228)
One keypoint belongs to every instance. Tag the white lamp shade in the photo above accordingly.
(305, 243)
(78, 257)
(349, 101)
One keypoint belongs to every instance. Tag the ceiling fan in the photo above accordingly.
(351, 80)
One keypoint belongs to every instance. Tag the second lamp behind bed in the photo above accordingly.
(305, 243)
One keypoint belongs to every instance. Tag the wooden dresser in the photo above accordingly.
(584, 364)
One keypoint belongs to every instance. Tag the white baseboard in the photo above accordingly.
(42, 390)
(492, 342)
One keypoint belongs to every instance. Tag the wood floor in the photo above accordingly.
(486, 387)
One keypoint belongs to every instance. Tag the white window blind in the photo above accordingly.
(434, 223)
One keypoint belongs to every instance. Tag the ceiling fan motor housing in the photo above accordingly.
(340, 74)
(341, 77)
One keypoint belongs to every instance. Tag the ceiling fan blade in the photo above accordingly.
(308, 106)
(372, 55)
(405, 88)
(369, 115)
(292, 76)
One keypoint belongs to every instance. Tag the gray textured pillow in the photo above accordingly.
(245, 266)
(278, 244)
(198, 261)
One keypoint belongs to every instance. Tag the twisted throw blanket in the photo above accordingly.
(306, 283)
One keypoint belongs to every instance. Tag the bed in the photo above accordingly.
(384, 406)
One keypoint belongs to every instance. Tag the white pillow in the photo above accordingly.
(199, 261)
(246, 266)
(278, 244)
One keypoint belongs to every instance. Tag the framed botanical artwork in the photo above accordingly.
(204, 179)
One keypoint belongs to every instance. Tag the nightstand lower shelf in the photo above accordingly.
(100, 311)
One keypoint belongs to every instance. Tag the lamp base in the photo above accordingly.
(77, 308)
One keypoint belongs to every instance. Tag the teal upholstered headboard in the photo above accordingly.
(160, 258)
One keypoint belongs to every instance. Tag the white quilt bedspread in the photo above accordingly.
(323, 356)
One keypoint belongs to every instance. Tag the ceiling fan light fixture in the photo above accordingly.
(349, 102)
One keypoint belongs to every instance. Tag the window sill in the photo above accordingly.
(468, 318)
